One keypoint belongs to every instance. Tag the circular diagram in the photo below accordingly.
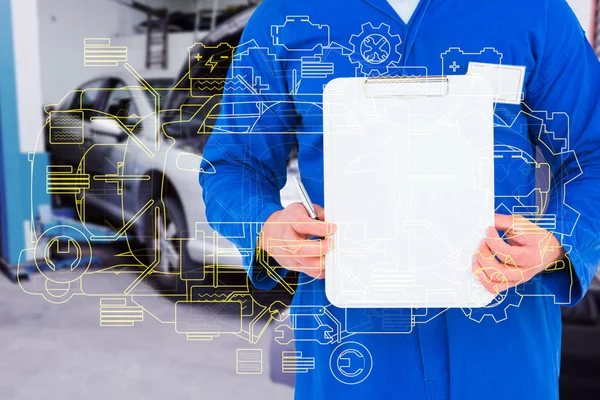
(375, 48)
(478, 292)
(351, 363)
(63, 245)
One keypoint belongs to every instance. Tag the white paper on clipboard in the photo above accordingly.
(409, 181)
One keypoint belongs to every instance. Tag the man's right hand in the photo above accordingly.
(285, 236)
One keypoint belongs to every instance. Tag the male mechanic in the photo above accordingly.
(457, 354)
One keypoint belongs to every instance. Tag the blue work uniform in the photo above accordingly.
(288, 52)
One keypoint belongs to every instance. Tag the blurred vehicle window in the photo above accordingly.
(129, 104)
(121, 103)
(89, 95)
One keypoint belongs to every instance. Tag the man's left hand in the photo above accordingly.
(528, 250)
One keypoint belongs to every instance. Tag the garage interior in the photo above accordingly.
(61, 341)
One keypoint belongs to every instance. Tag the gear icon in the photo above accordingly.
(498, 308)
(375, 49)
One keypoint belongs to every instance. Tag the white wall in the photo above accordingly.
(584, 10)
(27, 72)
(64, 24)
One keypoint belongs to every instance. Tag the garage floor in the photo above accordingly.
(52, 351)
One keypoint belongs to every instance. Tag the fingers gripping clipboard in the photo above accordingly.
(409, 181)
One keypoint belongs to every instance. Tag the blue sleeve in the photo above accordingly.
(248, 148)
(567, 79)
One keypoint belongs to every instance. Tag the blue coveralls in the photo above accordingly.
(290, 50)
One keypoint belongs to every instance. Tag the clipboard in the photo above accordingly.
(409, 181)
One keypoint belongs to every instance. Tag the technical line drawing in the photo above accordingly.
(324, 327)
(132, 132)
(60, 179)
(498, 308)
(293, 27)
(455, 61)
(66, 127)
(98, 52)
(293, 362)
(249, 361)
(351, 363)
(116, 312)
(375, 49)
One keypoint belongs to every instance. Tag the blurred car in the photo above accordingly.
(143, 147)
(188, 120)
(95, 98)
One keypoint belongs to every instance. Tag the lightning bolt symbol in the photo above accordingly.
(210, 63)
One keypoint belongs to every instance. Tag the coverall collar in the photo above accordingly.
(385, 7)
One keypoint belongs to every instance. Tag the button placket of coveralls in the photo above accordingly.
(424, 333)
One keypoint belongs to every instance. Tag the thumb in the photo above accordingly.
(331, 227)
(320, 212)
(503, 222)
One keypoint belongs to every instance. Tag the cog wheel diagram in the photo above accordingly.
(375, 49)
(498, 308)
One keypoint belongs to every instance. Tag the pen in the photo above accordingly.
(308, 205)
(305, 199)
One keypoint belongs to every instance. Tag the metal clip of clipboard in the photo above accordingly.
(406, 86)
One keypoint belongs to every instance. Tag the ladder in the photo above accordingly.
(157, 39)
(157, 35)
